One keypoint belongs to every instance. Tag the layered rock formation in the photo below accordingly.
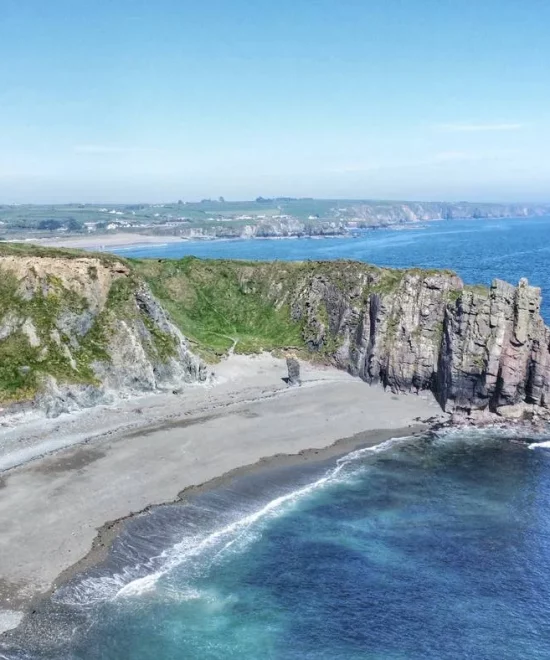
(74, 329)
(75, 332)
(475, 348)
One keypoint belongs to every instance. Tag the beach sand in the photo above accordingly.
(104, 241)
(72, 475)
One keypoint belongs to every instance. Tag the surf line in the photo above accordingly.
(132, 581)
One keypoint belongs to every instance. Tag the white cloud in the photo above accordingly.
(459, 156)
(474, 128)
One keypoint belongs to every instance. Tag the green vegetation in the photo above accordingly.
(26, 356)
(30, 250)
(478, 289)
(39, 338)
(454, 295)
(217, 306)
(389, 281)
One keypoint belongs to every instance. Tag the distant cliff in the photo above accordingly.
(339, 217)
(76, 329)
(374, 213)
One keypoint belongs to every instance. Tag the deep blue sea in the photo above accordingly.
(422, 548)
(435, 547)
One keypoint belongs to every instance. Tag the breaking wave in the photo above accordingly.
(195, 552)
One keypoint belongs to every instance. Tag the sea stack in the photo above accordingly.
(293, 367)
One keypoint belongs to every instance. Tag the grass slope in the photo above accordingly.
(218, 303)
(215, 308)
(37, 338)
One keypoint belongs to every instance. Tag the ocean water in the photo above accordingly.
(478, 250)
(432, 547)
(435, 547)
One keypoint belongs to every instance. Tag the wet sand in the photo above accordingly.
(111, 463)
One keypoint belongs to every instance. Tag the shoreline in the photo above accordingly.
(128, 460)
(36, 616)
(107, 533)
(128, 241)
(124, 241)
(110, 530)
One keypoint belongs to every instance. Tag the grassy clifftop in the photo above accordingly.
(257, 305)
(64, 312)
(218, 304)
(98, 321)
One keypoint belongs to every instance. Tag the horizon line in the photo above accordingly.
(279, 198)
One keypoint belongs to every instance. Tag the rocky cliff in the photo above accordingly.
(475, 348)
(76, 328)
(76, 331)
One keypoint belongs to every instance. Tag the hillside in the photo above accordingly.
(75, 327)
(78, 329)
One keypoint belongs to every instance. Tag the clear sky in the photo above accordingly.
(126, 100)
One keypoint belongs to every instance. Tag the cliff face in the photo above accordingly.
(475, 348)
(75, 329)
(75, 332)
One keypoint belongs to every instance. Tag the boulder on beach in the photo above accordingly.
(293, 367)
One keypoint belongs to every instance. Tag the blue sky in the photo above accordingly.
(119, 100)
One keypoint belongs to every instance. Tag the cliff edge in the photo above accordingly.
(80, 330)
(475, 348)
(77, 329)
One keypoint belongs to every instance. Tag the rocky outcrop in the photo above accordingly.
(293, 367)
(476, 348)
(75, 332)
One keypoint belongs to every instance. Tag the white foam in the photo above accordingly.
(540, 445)
(9, 619)
(236, 536)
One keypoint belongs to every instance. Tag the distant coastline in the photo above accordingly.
(127, 240)
(96, 225)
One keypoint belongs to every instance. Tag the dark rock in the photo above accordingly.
(293, 367)
(475, 348)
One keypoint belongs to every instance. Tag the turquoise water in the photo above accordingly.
(422, 548)
(428, 548)
(478, 250)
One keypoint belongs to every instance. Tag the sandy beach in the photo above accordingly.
(105, 241)
(64, 479)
